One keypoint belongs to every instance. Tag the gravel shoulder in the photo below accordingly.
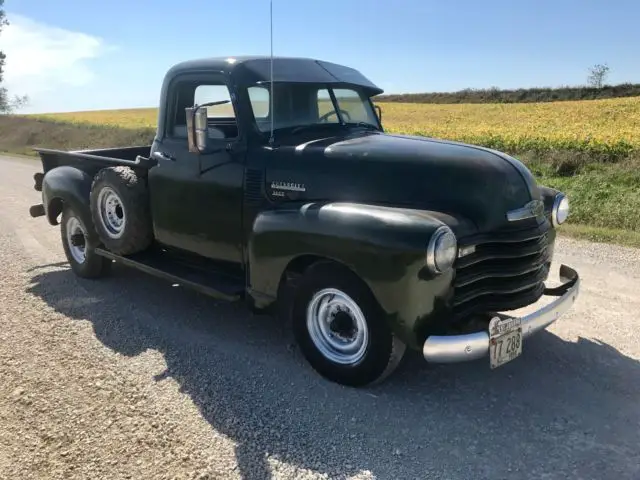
(129, 377)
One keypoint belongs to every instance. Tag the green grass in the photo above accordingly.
(601, 195)
(604, 196)
(602, 235)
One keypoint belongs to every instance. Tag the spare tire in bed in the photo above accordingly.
(120, 210)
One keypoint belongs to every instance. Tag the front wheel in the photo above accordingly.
(341, 329)
(79, 242)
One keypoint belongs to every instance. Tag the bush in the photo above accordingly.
(521, 95)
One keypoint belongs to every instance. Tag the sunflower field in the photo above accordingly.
(608, 128)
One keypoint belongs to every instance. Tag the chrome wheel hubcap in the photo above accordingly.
(337, 327)
(112, 214)
(76, 239)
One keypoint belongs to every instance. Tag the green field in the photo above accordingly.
(589, 149)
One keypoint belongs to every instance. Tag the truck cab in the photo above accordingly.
(237, 139)
(272, 181)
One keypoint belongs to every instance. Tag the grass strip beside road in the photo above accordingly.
(626, 238)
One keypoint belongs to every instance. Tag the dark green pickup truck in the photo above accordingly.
(274, 183)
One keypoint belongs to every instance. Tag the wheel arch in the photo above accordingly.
(385, 248)
(298, 265)
(66, 185)
(54, 210)
(286, 241)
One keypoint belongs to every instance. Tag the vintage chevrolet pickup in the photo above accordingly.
(272, 181)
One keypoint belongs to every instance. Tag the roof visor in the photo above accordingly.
(296, 70)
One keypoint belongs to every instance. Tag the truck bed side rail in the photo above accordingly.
(135, 157)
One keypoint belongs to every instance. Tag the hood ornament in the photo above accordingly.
(533, 209)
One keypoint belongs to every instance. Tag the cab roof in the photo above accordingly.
(252, 70)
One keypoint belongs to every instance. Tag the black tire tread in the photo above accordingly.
(132, 190)
(94, 265)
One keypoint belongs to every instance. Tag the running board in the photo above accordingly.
(215, 284)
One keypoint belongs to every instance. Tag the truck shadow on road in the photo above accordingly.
(564, 409)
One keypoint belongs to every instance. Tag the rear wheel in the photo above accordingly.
(79, 242)
(341, 329)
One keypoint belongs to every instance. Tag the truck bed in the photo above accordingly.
(88, 160)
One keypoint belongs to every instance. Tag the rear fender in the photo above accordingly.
(383, 246)
(66, 185)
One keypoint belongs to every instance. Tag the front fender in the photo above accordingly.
(68, 185)
(384, 246)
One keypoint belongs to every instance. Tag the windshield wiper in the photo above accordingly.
(300, 128)
(367, 125)
(311, 125)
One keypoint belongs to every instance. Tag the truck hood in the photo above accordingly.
(472, 184)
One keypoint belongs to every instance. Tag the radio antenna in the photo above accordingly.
(271, 94)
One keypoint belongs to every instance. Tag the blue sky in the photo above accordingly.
(89, 54)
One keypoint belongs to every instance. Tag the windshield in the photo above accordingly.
(302, 104)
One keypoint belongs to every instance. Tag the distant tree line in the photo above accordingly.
(521, 95)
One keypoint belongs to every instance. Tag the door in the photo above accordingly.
(196, 200)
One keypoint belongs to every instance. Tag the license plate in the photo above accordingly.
(505, 340)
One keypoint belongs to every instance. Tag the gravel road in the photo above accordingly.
(129, 377)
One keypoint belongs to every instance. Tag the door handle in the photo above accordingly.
(163, 156)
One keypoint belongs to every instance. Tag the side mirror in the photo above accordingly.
(197, 129)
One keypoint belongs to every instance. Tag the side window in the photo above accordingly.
(214, 93)
(222, 119)
(259, 98)
(325, 107)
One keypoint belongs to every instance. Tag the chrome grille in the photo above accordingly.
(504, 273)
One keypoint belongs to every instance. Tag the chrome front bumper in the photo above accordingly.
(461, 348)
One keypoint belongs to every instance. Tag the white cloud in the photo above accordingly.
(42, 58)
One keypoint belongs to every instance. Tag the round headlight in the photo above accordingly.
(560, 210)
(442, 250)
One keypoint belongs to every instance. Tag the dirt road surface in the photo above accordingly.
(129, 377)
